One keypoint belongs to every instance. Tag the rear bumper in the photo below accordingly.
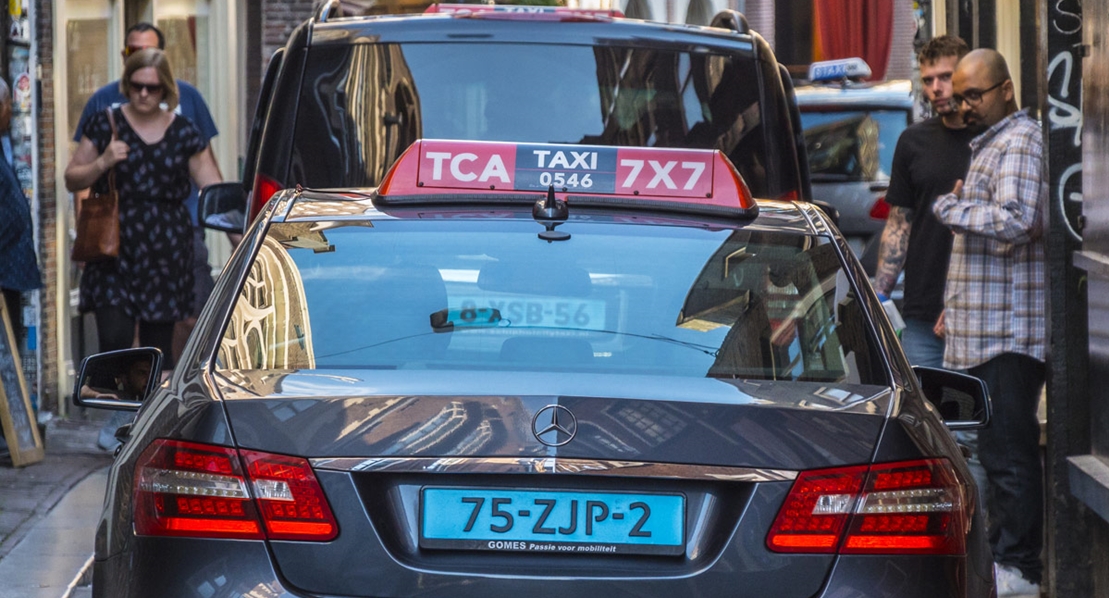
(216, 569)
(359, 563)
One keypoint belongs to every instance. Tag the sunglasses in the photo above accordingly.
(129, 50)
(150, 88)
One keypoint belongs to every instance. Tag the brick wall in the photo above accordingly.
(48, 209)
(760, 16)
(901, 48)
(279, 18)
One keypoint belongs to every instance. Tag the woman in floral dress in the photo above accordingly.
(155, 153)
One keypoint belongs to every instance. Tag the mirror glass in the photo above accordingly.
(119, 379)
(962, 400)
(222, 207)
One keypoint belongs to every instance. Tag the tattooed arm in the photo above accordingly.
(891, 253)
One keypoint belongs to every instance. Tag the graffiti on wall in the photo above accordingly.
(1064, 114)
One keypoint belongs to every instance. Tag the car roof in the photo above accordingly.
(894, 94)
(357, 205)
(458, 29)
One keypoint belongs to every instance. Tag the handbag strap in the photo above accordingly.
(112, 170)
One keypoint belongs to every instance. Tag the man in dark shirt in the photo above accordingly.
(930, 156)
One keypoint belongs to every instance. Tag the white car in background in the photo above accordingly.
(851, 129)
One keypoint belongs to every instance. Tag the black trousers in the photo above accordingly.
(1010, 452)
(116, 330)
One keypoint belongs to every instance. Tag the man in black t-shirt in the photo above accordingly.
(930, 156)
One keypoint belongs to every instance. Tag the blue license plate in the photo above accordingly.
(553, 521)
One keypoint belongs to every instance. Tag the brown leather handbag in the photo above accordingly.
(98, 221)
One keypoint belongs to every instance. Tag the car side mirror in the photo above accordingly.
(118, 380)
(222, 207)
(963, 401)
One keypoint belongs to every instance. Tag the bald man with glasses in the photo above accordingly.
(995, 302)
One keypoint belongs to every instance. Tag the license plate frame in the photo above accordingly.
(539, 521)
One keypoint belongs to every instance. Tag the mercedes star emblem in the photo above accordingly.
(554, 425)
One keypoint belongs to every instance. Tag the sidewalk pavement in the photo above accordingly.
(49, 511)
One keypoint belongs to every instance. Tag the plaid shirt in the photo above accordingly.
(995, 299)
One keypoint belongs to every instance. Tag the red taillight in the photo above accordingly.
(816, 510)
(264, 189)
(793, 195)
(199, 490)
(292, 502)
(880, 210)
(914, 507)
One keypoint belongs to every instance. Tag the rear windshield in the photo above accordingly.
(363, 104)
(491, 296)
(852, 145)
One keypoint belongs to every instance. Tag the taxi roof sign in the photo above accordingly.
(838, 70)
(520, 9)
(446, 171)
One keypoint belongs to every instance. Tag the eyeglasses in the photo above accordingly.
(150, 88)
(973, 97)
(129, 50)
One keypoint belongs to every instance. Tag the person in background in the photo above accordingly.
(19, 271)
(155, 153)
(995, 318)
(930, 156)
(191, 105)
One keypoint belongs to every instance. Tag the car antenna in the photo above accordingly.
(550, 212)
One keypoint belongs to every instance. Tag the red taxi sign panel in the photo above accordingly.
(637, 175)
(665, 172)
(467, 165)
(448, 8)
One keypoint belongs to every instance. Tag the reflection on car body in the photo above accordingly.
(653, 385)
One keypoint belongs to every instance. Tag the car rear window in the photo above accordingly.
(363, 104)
(852, 145)
(492, 296)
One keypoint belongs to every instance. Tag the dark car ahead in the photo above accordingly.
(542, 370)
(347, 95)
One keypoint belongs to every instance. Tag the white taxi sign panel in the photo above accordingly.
(838, 70)
(433, 167)
(569, 168)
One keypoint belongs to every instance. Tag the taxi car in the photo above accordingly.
(851, 129)
(542, 370)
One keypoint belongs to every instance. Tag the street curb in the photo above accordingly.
(83, 578)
